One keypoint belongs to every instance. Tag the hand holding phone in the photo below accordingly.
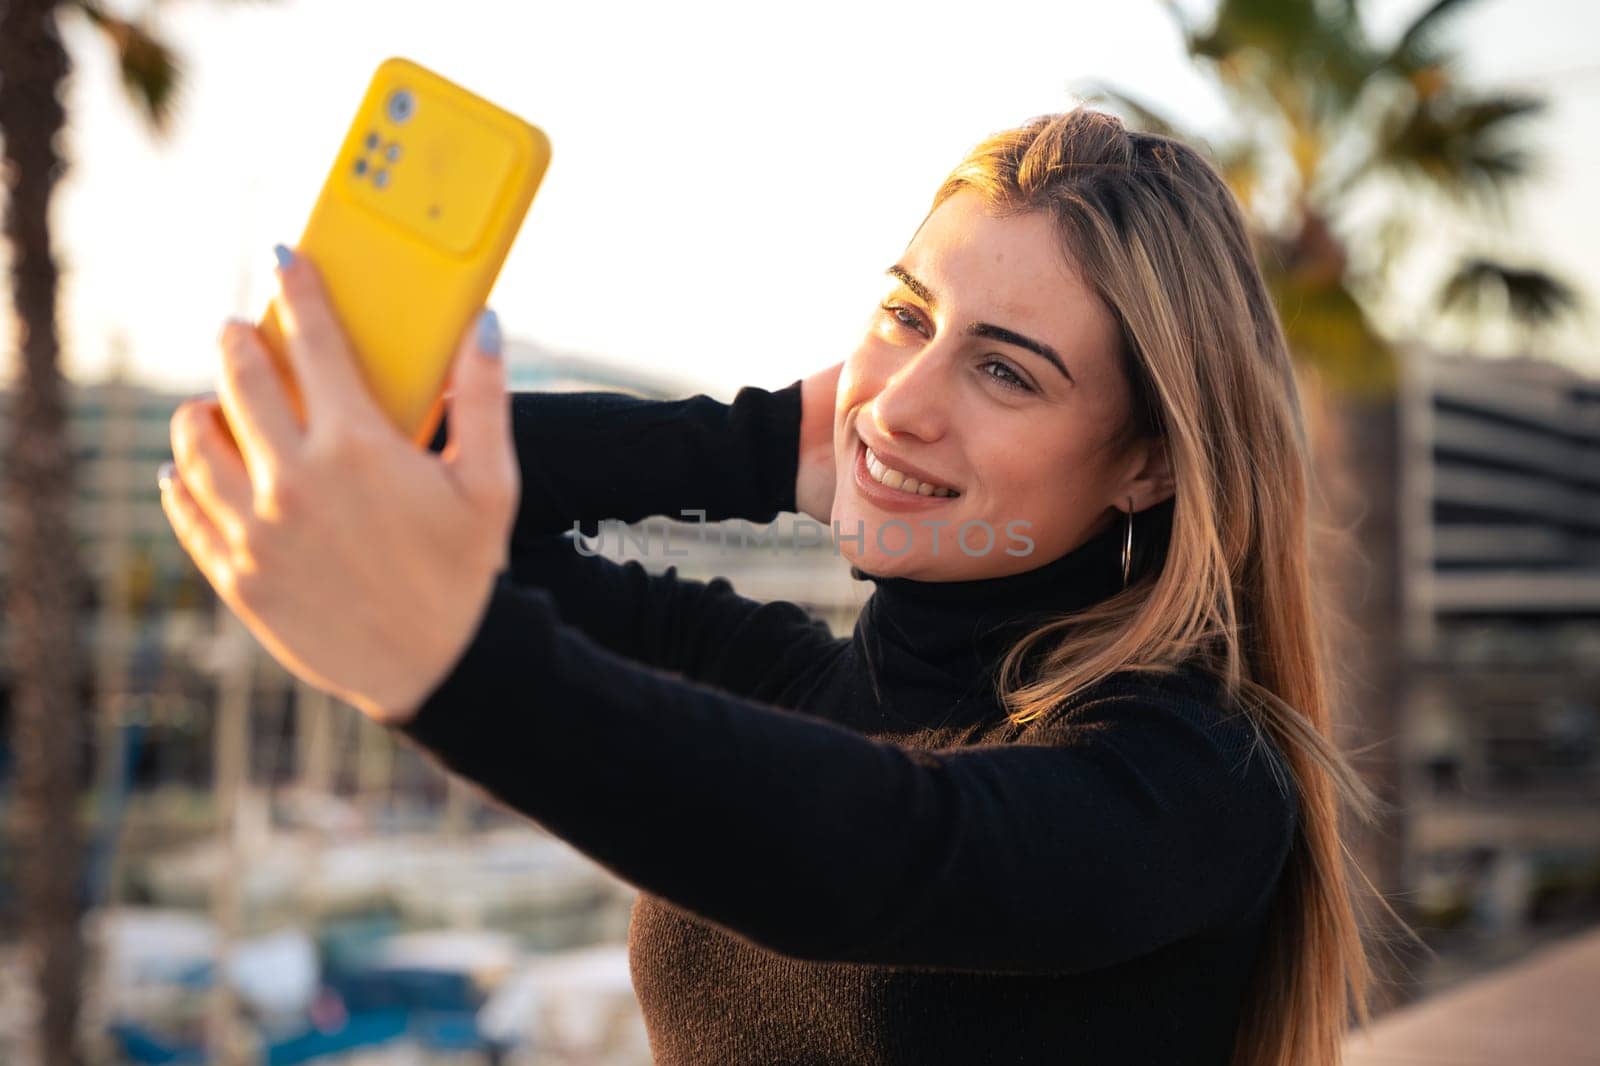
(409, 232)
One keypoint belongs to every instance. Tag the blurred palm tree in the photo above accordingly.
(1327, 119)
(46, 582)
(1336, 141)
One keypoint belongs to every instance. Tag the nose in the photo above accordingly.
(912, 400)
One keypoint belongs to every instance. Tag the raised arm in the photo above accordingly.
(587, 456)
(819, 843)
(703, 630)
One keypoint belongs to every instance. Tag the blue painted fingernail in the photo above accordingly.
(285, 257)
(164, 475)
(489, 332)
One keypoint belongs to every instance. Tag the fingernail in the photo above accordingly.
(489, 332)
(285, 256)
(164, 475)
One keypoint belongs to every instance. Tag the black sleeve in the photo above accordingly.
(819, 843)
(587, 456)
(703, 630)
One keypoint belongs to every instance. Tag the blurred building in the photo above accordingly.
(1500, 502)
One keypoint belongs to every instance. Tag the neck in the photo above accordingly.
(960, 629)
(1085, 569)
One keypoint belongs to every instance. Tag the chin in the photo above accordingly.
(914, 563)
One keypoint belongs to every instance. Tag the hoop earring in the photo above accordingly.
(1127, 545)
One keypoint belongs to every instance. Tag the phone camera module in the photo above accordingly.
(401, 105)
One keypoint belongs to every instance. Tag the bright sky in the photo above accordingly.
(728, 182)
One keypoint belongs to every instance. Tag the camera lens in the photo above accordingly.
(401, 104)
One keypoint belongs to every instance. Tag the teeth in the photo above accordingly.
(894, 479)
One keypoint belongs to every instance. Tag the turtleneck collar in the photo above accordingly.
(918, 631)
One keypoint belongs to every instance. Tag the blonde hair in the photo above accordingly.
(1222, 572)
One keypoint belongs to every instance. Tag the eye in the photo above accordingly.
(1007, 377)
(1011, 380)
(894, 312)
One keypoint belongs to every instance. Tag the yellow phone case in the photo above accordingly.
(410, 230)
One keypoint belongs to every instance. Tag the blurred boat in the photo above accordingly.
(513, 878)
(362, 986)
(576, 1006)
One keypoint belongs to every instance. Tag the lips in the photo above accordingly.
(906, 471)
(883, 498)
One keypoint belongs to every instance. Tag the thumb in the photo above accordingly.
(480, 450)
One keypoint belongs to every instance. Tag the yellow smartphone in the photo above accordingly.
(410, 230)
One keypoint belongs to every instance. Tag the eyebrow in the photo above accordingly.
(983, 329)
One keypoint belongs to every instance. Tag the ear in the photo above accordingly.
(1149, 475)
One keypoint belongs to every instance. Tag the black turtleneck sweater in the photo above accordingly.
(844, 852)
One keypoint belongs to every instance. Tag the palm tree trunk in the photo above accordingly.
(45, 579)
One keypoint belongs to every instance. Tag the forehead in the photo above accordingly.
(1012, 272)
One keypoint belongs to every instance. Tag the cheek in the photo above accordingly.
(1046, 486)
(853, 388)
(1007, 475)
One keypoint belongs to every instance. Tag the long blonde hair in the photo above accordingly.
(1222, 572)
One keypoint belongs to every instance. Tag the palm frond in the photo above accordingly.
(1458, 143)
(1533, 298)
(150, 69)
(1180, 19)
(1277, 27)
(1417, 48)
(1320, 44)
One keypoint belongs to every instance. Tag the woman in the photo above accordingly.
(1066, 793)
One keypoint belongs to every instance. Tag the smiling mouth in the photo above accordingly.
(890, 478)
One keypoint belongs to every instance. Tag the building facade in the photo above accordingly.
(1500, 502)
